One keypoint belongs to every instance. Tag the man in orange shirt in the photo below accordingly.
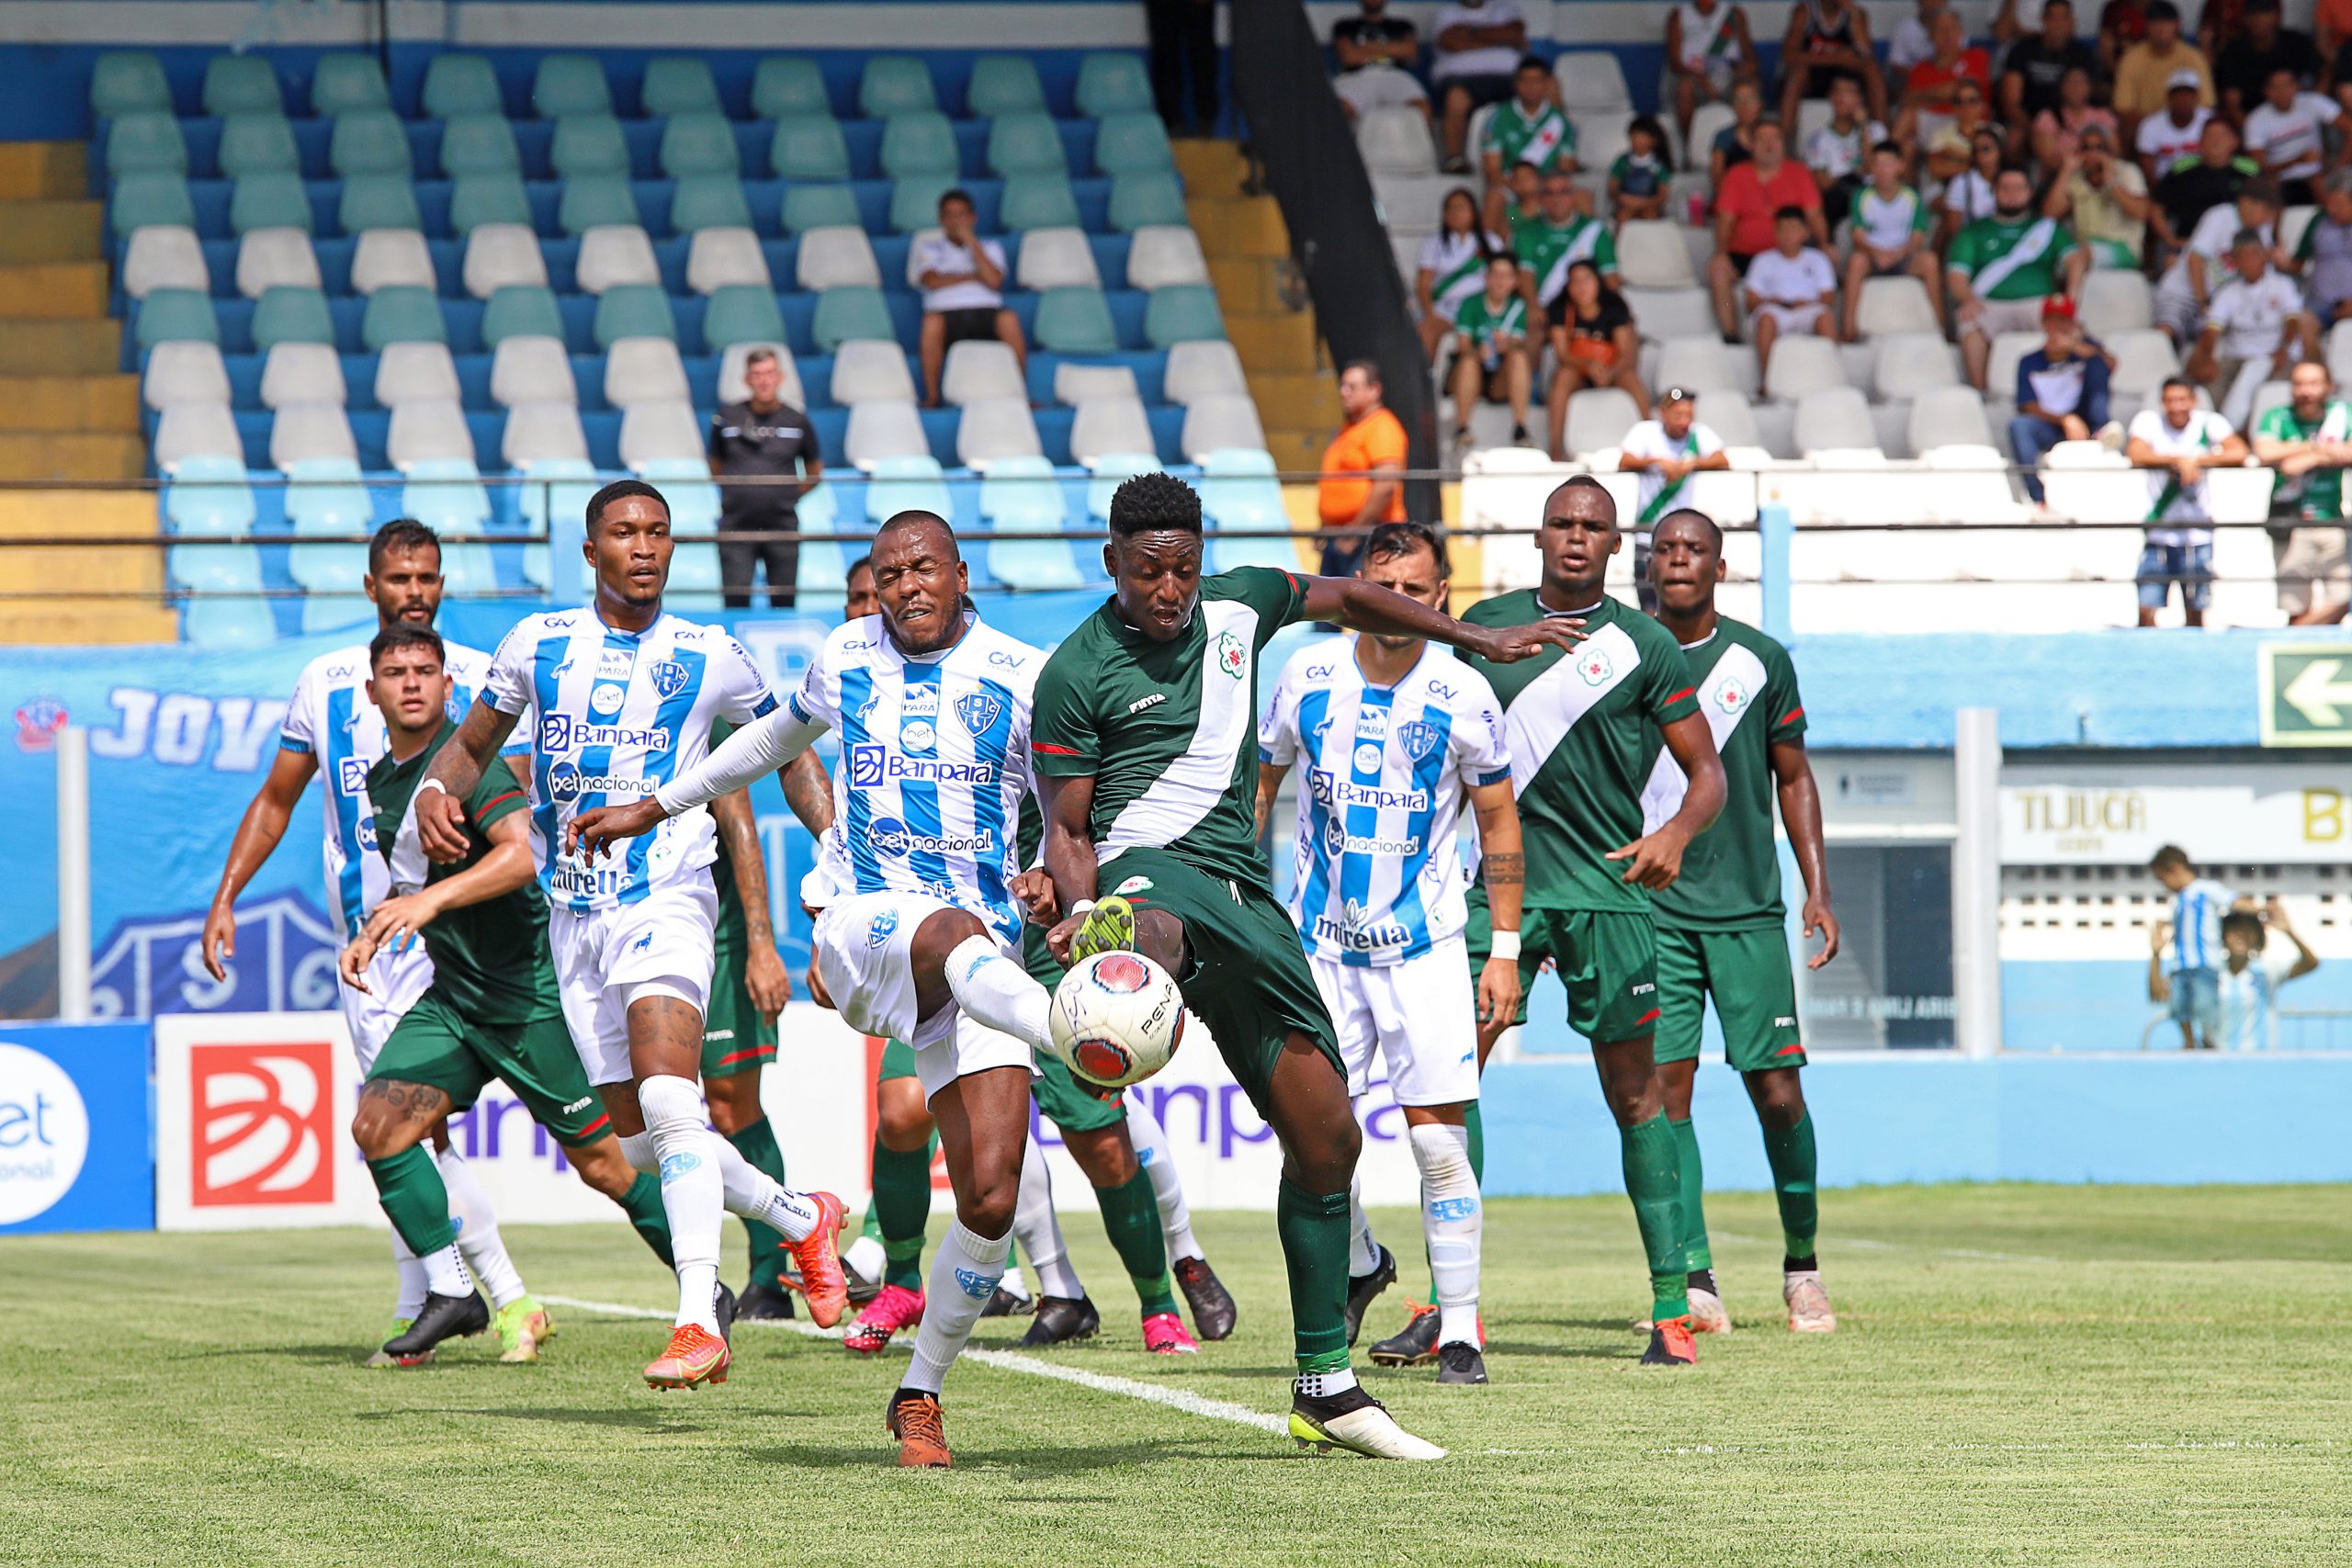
(1363, 469)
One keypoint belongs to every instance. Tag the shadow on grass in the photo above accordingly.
(1027, 1462)
(674, 1419)
(347, 1353)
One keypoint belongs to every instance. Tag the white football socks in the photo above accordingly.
(1364, 1252)
(963, 1277)
(445, 1272)
(1158, 1161)
(754, 1194)
(692, 1193)
(477, 1224)
(1039, 1230)
(1451, 1219)
(410, 1300)
(997, 992)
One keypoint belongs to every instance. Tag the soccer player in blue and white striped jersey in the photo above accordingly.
(2193, 970)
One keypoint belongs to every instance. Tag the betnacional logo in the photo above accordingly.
(262, 1127)
(44, 1133)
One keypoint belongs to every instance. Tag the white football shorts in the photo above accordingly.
(1421, 1013)
(394, 982)
(864, 948)
(606, 958)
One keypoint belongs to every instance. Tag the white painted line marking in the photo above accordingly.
(1864, 1243)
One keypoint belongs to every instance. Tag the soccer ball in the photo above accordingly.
(1117, 1018)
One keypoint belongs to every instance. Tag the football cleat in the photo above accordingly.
(1163, 1335)
(1010, 1299)
(1414, 1346)
(1109, 927)
(1060, 1320)
(1364, 1288)
(441, 1317)
(522, 1327)
(916, 1421)
(820, 1262)
(695, 1356)
(1808, 1303)
(1212, 1310)
(723, 1311)
(893, 1307)
(1460, 1363)
(1671, 1345)
(763, 1303)
(862, 1262)
(1707, 1314)
(1358, 1423)
(383, 1357)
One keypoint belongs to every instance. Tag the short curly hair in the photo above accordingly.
(1154, 503)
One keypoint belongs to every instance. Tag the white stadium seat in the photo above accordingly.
(416, 372)
(303, 430)
(197, 430)
(1894, 305)
(1708, 121)
(2115, 302)
(1833, 419)
(501, 255)
(302, 373)
(1592, 79)
(879, 430)
(1699, 365)
(1202, 369)
(644, 370)
(165, 256)
(1599, 418)
(1651, 255)
(614, 256)
(837, 257)
(276, 258)
(870, 371)
(185, 372)
(717, 258)
(996, 428)
(538, 431)
(1731, 417)
(1395, 139)
(1076, 384)
(1050, 258)
(651, 431)
(1107, 425)
(392, 258)
(532, 370)
(429, 431)
(1661, 314)
(1801, 363)
(1166, 255)
(1909, 364)
(977, 370)
(1948, 416)
(1213, 425)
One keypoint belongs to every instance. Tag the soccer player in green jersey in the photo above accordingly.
(1574, 721)
(492, 1011)
(1144, 738)
(1720, 926)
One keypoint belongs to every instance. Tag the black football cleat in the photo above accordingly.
(763, 1303)
(1213, 1312)
(1459, 1362)
(723, 1308)
(1060, 1320)
(1009, 1303)
(1364, 1288)
(441, 1317)
(1413, 1345)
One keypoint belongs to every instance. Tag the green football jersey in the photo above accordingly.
(1168, 730)
(1548, 252)
(490, 960)
(1478, 323)
(1747, 690)
(2318, 494)
(1521, 138)
(2012, 261)
(1577, 721)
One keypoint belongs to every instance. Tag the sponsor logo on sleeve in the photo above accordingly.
(1232, 655)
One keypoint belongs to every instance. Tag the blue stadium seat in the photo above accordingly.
(128, 82)
(292, 315)
(241, 83)
(173, 315)
(209, 496)
(140, 200)
(820, 207)
(1003, 85)
(1145, 200)
(810, 147)
(461, 84)
(710, 201)
(907, 484)
(228, 623)
(1026, 144)
(914, 201)
(588, 144)
(1185, 312)
(257, 142)
(477, 199)
(895, 85)
(740, 313)
(845, 315)
(1075, 320)
(214, 568)
(634, 309)
(344, 83)
(1239, 490)
(1023, 495)
(274, 200)
(919, 143)
(594, 201)
(403, 313)
(678, 85)
(1038, 201)
(1113, 84)
(368, 141)
(787, 87)
(1133, 144)
(521, 310)
(559, 488)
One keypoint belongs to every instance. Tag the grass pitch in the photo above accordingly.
(2021, 1376)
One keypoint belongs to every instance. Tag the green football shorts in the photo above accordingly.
(1606, 961)
(735, 1038)
(1069, 1105)
(1748, 974)
(897, 1062)
(436, 1045)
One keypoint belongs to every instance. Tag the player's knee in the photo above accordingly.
(1779, 1098)
(987, 1207)
(1160, 936)
(941, 934)
(903, 1128)
(603, 1169)
(383, 1127)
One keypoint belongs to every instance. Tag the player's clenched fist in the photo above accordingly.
(600, 827)
(441, 825)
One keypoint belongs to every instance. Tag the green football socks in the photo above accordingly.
(1314, 1231)
(1653, 1180)
(642, 1203)
(903, 1206)
(1795, 1166)
(757, 1145)
(1694, 1204)
(1131, 1215)
(409, 1186)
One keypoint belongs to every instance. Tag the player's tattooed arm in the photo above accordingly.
(450, 783)
(809, 790)
(1656, 858)
(1068, 851)
(1367, 607)
(764, 975)
(1801, 814)
(1269, 785)
(257, 834)
(1502, 866)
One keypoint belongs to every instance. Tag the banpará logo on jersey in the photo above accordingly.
(1420, 737)
(351, 777)
(606, 699)
(1331, 791)
(1232, 655)
(566, 782)
(980, 711)
(1729, 697)
(917, 735)
(1595, 665)
(561, 732)
(880, 928)
(872, 765)
(1367, 757)
(892, 837)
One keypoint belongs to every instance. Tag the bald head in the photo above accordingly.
(921, 581)
(1579, 534)
(922, 530)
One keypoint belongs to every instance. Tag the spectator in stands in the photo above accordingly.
(2246, 984)
(2001, 269)
(1526, 189)
(2187, 286)
(1746, 205)
(2241, 70)
(2034, 70)
(2187, 192)
(1453, 265)
(1527, 127)
(1913, 39)
(1363, 480)
(2176, 131)
(1641, 178)
(1790, 288)
(2286, 134)
(1666, 452)
(1182, 36)
(1557, 235)
(2105, 201)
(2194, 937)
(2308, 441)
(1970, 195)
(1735, 143)
(962, 278)
(2176, 442)
(1836, 152)
(1935, 81)
(1708, 51)
(1596, 344)
(2335, 39)
(762, 437)
(2061, 392)
(2056, 129)
(2327, 252)
(1478, 46)
(1377, 52)
(1826, 40)
(2254, 327)
(1951, 150)
(2146, 72)
(1491, 353)
(2121, 24)
(1892, 226)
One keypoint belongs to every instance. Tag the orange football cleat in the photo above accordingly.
(822, 1280)
(1671, 1344)
(915, 1420)
(695, 1356)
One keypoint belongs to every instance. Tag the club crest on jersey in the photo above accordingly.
(1729, 697)
(980, 711)
(1232, 657)
(605, 700)
(669, 677)
(1132, 885)
(1420, 737)
(1595, 665)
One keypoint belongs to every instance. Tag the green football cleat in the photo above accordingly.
(1109, 927)
(523, 1326)
(400, 1326)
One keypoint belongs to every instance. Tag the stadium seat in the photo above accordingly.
(502, 255)
(839, 257)
(272, 201)
(128, 82)
(1729, 415)
(1950, 416)
(1651, 255)
(196, 430)
(1003, 85)
(1394, 139)
(1832, 419)
(568, 85)
(596, 201)
(919, 143)
(1145, 201)
(231, 623)
(406, 314)
(390, 258)
(378, 201)
(2143, 360)
(1592, 80)
(427, 430)
(1050, 258)
(524, 369)
(1026, 144)
(1106, 426)
(2114, 301)
(659, 430)
(461, 84)
(1663, 314)
(184, 371)
(368, 141)
(1186, 313)
(537, 432)
(214, 568)
(789, 87)
(914, 202)
(809, 148)
(975, 370)
(479, 145)
(1075, 383)
(588, 144)
(164, 255)
(710, 201)
(1205, 368)
(616, 255)
(820, 207)
(348, 84)
(1909, 364)
(142, 201)
(1038, 201)
(906, 483)
(634, 309)
(1075, 320)
(699, 143)
(678, 85)
(844, 315)
(258, 143)
(871, 372)
(521, 309)
(1165, 257)
(724, 256)
(1215, 424)
(1894, 305)
(993, 429)
(880, 430)
(241, 83)
(2001, 361)
(478, 199)
(288, 314)
(645, 370)
(1110, 470)
(732, 388)
(895, 85)
(210, 495)
(694, 499)
(173, 315)
(416, 371)
(1599, 418)
(1135, 143)
(1698, 365)
(445, 494)
(146, 143)
(1801, 363)
(1113, 84)
(748, 314)
(302, 373)
(1024, 495)
(303, 430)
(1239, 492)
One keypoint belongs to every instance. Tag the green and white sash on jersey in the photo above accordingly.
(1467, 277)
(1544, 139)
(2170, 495)
(2029, 248)
(1581, 244)
(1659, 504)
(409, 869)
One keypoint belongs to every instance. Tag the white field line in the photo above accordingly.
(1866, 1244)
(1004, 1360)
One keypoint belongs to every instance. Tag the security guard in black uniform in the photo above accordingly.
(763, 436)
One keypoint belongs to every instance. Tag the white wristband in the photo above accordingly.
(432, 783)
(1506, 946)
(1079, 906)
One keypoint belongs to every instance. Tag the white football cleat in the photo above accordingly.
(1808, 1303)
(1707, 1314)
(1368, 1429)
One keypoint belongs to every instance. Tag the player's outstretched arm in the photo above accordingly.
(450, 783)
(1068, 853)
(1801, 814)
(1656, 858)
(508, 865)
(257, 834)
(753, 753)
(764, 975)
(809, 790)
(1366, 607)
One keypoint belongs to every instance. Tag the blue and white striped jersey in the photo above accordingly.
(331, 718)
(2197, 911)
(934, 761)
(1378, 875)
(612, 716)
